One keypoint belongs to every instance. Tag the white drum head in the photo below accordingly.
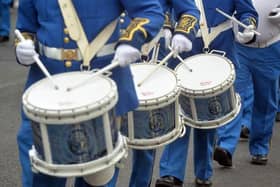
(44, 99)
(162, 83)
(208, 71)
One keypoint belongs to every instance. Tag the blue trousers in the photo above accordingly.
(248, 106)
(264, 65)
(261, 67)
(228, 135)
(174, 158)
(5, 23)
(142, 169)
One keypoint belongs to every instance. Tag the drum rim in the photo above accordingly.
(157, 102)
(225, 85)
(90, 110)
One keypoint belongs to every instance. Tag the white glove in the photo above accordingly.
(181, 43)
(245, 36)
(167, 37)
(25, 51)
(274, 15)
(126, 54)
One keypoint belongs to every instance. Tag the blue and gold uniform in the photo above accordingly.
(43, 21)
(187, 15)
(5, 20)
(173, 160)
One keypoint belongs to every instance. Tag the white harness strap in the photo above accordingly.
(203, 24)
(77, 33)
(215, 31)
(73, 24)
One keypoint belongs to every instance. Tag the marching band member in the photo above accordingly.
(5, 23)
(186, 14)
(186, 11)
(173, 160)
(43, 25)
(261, 59)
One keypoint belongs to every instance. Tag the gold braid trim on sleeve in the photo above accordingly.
(167, 21)
(135, 25)
(186, 23)
(252, 21)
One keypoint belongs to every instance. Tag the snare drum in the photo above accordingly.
(75, 132)
(156, 121)
(207, 99)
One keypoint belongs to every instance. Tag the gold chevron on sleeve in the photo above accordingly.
(135, 25)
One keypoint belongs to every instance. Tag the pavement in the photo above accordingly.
(12, 79)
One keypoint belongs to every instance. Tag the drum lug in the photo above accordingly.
(223, 53)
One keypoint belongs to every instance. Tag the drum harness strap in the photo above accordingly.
(209, 34)
(76, 32)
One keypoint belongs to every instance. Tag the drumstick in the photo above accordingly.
(236, 21)
(157, 67)
(103, 70)
(180, 58)
(38, 61)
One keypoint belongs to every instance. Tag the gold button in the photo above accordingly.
(68, 64)
(66, 40)
(66, 31)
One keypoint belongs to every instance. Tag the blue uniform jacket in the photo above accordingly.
(180, 7)
(44, 19)
(5, 1)
(243, 10)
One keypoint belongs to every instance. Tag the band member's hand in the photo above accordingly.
(181, 43)
(126, 54)
(25, 50)
(246, 36)
(167, 37)
(274, 15)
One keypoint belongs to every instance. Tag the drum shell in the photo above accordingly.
(156, 121)
(73, 143)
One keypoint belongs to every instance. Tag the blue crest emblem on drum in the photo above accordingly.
(151, 124)
(215, 107)
(157, 121)
(78, 141)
